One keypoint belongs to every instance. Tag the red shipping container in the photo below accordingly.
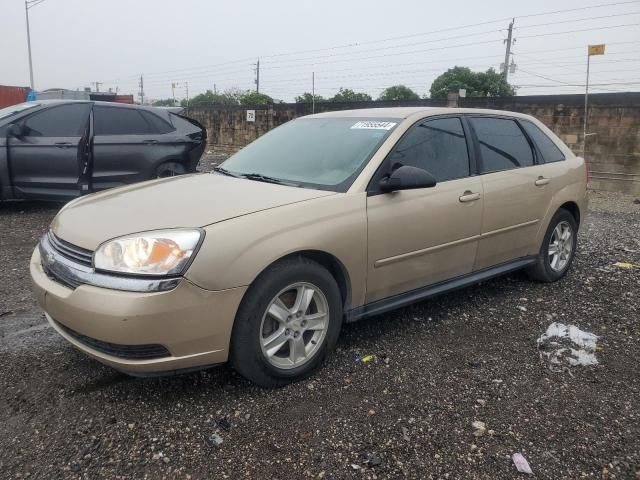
(124, 99)
(12, 95)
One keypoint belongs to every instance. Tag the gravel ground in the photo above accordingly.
(469, 356)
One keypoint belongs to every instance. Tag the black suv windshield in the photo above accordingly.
(322, 153)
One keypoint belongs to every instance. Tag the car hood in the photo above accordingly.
(186, 201)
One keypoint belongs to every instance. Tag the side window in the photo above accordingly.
(502, 144)
(437, 146)
(158, 125)
(60, 121)
(550, 152)
(119, 121)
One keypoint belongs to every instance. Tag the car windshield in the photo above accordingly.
(13, 109)
(322, 153)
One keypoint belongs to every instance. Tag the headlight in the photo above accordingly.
(159, 252)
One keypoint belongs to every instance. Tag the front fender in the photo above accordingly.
(236, 251)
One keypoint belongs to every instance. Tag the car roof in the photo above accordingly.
(407, 112)
(96, 102)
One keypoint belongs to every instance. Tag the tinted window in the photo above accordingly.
(437, 146)
(157, 124)
(502, 144)
(119, 121)
(550, 152)
(61, 121)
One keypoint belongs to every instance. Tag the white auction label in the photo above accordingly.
(373, 125)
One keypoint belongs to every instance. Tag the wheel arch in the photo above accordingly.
(329, 261)
(573, 208)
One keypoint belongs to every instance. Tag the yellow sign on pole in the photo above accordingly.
(596, 49)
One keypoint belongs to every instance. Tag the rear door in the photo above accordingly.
(424, 236)
(515, 198)
(125, 146)
(45, 163)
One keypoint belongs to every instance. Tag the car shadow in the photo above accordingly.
(28, 206)
(425, 316)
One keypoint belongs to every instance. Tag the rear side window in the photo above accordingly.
(550, 152)
(437, 146)
(62, 121)
(502, 144)
(119, 121)
(158, 125)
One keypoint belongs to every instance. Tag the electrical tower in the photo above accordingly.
(141, 90)
(507, 54)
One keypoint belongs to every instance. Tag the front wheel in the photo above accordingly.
(558, 248)
(288, 322)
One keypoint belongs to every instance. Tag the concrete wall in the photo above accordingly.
(612, 152)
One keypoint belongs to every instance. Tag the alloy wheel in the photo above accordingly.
(560, 246)
(294, 325)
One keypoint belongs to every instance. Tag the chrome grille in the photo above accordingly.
(67, 250)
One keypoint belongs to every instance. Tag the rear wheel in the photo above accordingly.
(558, 248)
(170, 169)
(288, 322)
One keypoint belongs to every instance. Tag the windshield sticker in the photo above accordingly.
(371, 125)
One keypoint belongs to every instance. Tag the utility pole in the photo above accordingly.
(313, 92)
(507, 54)
(591, 50)
(186, 87)
(28, 4)
(258, 76)
(173, 92)
(141, 90)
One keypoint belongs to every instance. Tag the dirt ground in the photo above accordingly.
(469, 356)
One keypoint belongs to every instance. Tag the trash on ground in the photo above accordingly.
(214, 440)
(521, 463)
(626, 265)
(365, 358)
(223, 423)
(479, 428)
(372, 459)
(405, 434)
(567, 345)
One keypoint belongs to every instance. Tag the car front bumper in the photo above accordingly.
(141, 333)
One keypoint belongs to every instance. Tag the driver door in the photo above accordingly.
(46, 160)
(420, 237)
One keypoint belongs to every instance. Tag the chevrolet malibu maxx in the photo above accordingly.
(327, 219)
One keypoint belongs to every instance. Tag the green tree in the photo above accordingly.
(398, 92)
(229, 97)
(166, 102)
(255, 98)
(477, 84)
(348, 95)
(308, 98)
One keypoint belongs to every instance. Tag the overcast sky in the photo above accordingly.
(351, 43)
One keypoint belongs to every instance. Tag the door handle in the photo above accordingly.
(63, 144)
(469, 196)
(148, 142)
(542, 181)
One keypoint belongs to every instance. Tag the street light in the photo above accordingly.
(27, 5)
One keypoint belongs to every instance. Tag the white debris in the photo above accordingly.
(521, 463)
(567, 345)
(479, 428)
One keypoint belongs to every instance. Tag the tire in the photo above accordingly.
(170, 169)
(266, 363)
(552, 267)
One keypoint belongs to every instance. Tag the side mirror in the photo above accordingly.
(16, 130)
(407, 178)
